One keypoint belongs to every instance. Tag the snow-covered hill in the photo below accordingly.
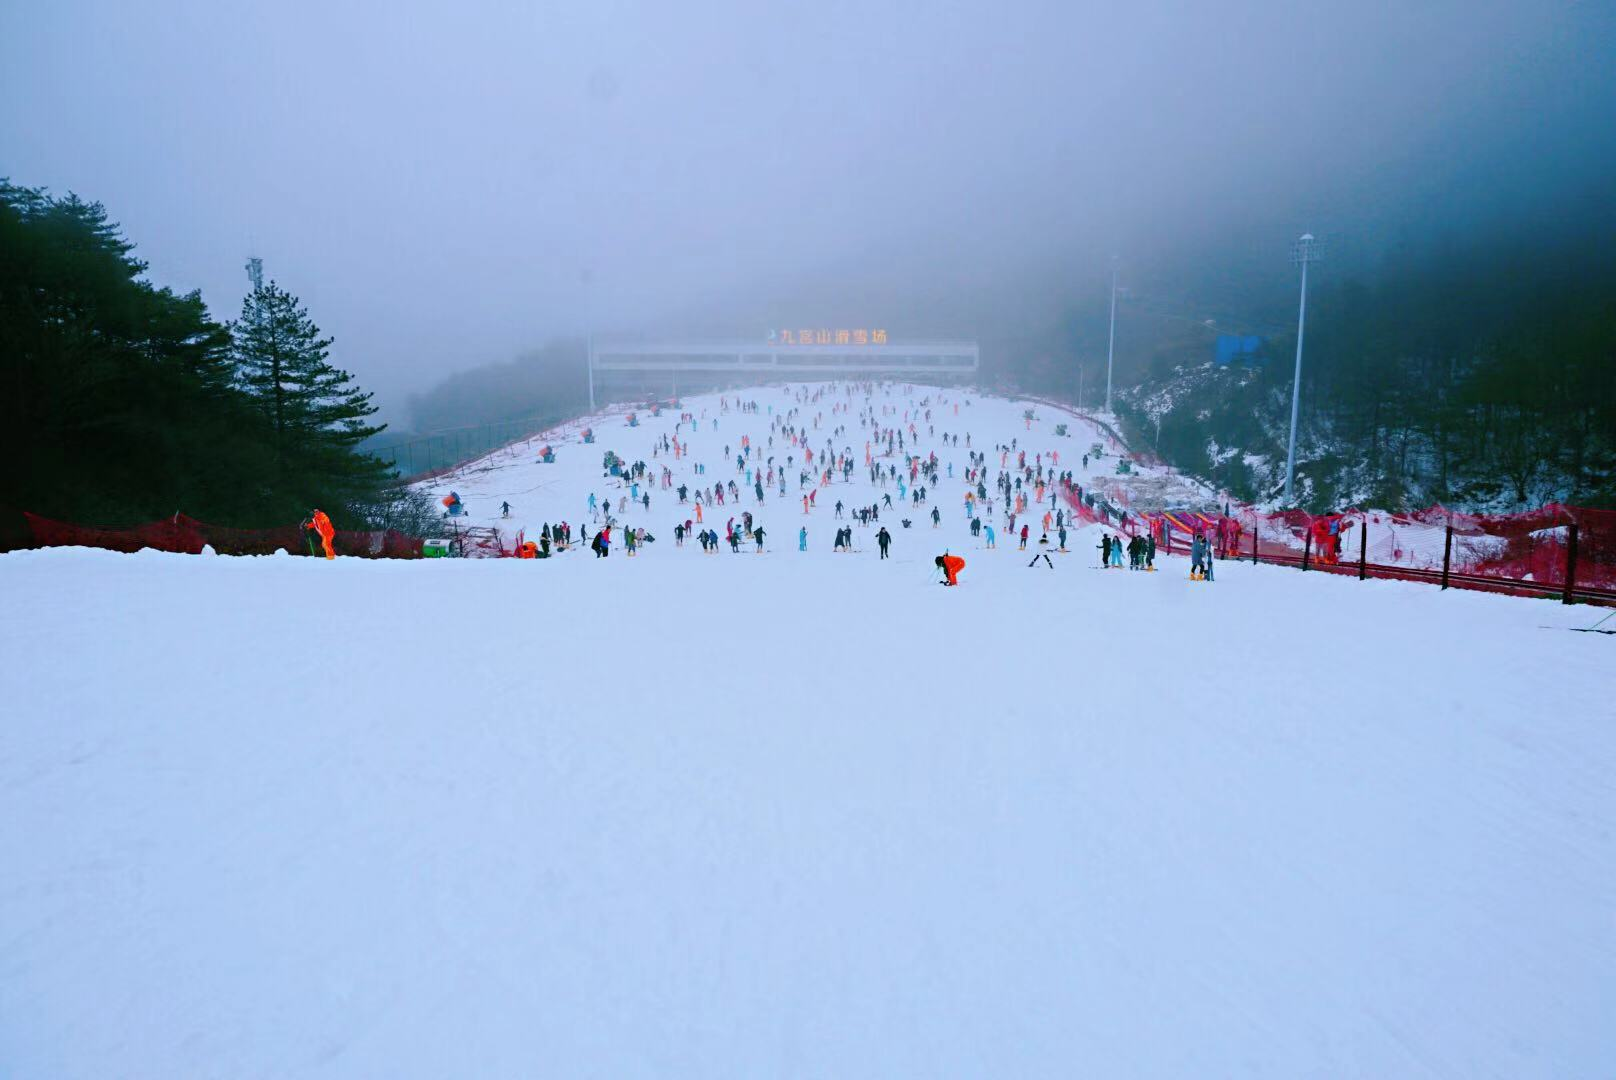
(798, 814)
(541, 494)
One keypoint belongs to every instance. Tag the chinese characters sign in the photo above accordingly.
(827, 337)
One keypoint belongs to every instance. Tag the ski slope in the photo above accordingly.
(546, 493)
(798, 814)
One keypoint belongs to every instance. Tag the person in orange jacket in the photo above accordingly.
(951, 566)
(322, 525)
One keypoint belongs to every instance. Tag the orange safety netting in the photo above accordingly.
(188, 535)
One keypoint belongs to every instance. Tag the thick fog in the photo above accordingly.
(447, 184)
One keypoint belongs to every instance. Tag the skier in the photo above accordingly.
(1105, 550)
(504, 509)
(884, 540)
(987, 530)
(950, 565)
(1197, 557)
(936, 518)
(322, 525)
(802, 538)
(757, 534)
(1023, 537)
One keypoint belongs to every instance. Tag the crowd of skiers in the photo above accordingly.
(1025, 489)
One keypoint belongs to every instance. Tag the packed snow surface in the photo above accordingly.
(795, 814)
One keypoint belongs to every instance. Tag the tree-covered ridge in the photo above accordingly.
(125, 402)
(1481, 376)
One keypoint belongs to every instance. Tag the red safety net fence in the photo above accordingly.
(1555, 550)
(188, 535)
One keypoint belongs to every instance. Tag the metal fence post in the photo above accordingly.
(1307, 549)
(1571, 565)
(1254, 522)
(1363, 546)
(1447, 554)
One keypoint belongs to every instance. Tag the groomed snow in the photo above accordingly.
(795, 814)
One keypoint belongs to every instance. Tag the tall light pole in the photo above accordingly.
(1303, 251)
(1111, 346)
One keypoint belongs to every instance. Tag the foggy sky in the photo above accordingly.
(446, 184)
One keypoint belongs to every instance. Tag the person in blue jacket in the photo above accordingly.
(802, 538)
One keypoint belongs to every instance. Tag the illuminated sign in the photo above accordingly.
(827, 337)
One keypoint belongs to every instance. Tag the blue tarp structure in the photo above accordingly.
(1246, 347)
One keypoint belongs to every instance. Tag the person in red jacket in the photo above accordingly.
(322, 525)
(951, 566)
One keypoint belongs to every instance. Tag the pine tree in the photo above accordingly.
(117, 399)
(315, 411)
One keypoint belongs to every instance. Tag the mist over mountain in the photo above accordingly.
(450, 186)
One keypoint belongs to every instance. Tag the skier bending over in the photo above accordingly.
(951, 565)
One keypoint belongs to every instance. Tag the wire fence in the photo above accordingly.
(438, 451)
